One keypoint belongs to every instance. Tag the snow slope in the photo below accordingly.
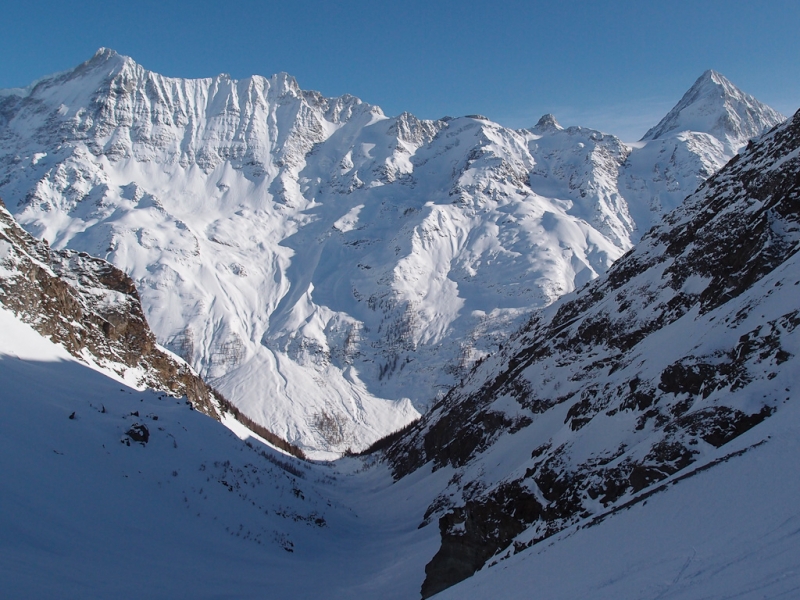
(332, 271)
(729, 532)
(198, 513)
(89, 512)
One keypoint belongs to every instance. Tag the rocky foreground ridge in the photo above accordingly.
(93, 310)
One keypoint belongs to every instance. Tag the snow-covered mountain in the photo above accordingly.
(663, 368)
(708, 126)
(331, 270)
(647, 425)
(715, 106)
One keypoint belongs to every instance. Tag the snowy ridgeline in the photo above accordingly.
(333, 271)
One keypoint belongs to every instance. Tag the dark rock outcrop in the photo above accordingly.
(139, 433)
(91, 308)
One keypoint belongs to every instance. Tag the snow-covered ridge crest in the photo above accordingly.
(122, 110)
(329, 269)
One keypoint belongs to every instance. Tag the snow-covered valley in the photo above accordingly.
(196, 512)
(193, 511)
(609, 410)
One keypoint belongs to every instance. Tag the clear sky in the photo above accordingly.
(615, 65)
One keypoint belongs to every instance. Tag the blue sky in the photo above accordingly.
(616, 65)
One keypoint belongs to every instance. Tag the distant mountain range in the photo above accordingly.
(329, 269)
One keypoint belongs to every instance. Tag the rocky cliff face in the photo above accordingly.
(331, 270)
(645, 375)
(93, 310)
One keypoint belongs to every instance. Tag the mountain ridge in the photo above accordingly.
(316, 261)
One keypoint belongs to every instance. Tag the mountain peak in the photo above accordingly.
(712, 76)
(714, 105)
(547, 123)
(104, 52)
(285, 83)
(107, 56)
(714, 84)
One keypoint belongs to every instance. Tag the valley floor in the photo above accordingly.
(195, 512)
